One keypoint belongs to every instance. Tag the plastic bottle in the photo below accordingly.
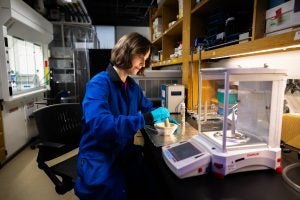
(182, 113)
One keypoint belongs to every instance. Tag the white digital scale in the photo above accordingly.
(250, 140)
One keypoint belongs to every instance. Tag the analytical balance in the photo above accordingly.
(249, 138)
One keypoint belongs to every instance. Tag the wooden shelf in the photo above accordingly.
(203, 4)
(157, 12)
(176, 29)
(264, 45)
(157, 41)
(197, 22)
(174, 61)
(171, 36)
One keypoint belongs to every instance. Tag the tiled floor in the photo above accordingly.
(21, 179)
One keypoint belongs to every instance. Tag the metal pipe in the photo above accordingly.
(199, 92)
(192, 77)
(225, 107)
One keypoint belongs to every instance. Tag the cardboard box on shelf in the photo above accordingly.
(282, 17)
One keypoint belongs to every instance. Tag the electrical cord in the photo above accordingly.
(287, 179)
(290, 167)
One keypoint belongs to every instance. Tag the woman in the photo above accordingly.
(110, 166)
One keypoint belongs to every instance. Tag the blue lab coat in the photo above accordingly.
(111, 117)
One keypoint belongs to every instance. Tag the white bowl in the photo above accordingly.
(163, 130)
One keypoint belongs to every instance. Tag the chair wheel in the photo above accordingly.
(64, 188)
(61, 189)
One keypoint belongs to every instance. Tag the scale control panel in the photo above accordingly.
(186, 159)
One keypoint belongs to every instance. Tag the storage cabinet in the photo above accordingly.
(2, 145)
(249, 18)
(217, 24)
(245, 35)
(166, 31)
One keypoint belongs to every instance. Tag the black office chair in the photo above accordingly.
(59, 132)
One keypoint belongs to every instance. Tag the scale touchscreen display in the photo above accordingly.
(184, 151)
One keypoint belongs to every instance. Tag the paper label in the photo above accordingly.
(297, 35)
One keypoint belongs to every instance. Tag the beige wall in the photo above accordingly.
(122, 30)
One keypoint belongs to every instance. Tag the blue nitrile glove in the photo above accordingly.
(173, 121)
(160, 114)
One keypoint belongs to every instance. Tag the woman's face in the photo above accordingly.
(138, 62)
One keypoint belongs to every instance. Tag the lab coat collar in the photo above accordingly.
(115, 77)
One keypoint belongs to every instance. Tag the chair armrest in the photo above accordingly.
(50, 145)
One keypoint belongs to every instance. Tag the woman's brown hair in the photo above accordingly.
(127, 47)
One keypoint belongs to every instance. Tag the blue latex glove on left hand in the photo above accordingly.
(160, 114)
(173, 121)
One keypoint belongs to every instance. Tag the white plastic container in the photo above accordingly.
(182, 113)
(180, 9)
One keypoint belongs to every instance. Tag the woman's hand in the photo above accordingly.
(160, 114)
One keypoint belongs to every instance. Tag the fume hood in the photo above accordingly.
(24, 40)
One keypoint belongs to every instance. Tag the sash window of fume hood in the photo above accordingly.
(26, 65)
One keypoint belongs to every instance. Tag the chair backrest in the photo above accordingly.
(290, 132)
(60, 123)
